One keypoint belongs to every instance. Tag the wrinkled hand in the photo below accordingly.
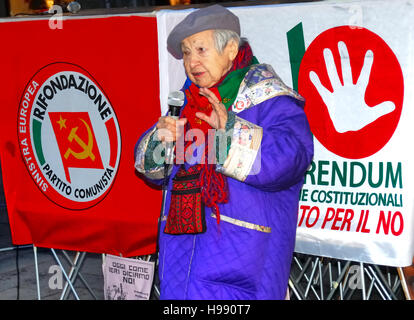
(170, 129)
(346, 104)
(218, 116)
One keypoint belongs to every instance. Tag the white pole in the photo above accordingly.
(37, 272)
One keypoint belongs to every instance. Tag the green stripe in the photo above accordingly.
(37, 139)
(230, 86)
(296, 45)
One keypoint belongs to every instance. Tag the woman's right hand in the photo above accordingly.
(170, 129)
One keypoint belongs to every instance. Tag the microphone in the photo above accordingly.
(175, 102)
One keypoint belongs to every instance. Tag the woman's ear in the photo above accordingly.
(232, 49)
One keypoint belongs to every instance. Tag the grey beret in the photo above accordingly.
(208, 18)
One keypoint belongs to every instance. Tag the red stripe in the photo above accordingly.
(113, 141)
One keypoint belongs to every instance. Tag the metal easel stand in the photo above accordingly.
(319, 278)
(71, 277)
(14, 248)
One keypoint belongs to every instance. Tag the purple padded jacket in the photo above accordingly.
(248, 256)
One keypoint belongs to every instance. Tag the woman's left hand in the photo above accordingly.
(218, 116)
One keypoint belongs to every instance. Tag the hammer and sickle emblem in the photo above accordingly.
(87, 148)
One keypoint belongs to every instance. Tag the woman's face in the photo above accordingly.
(203, 64)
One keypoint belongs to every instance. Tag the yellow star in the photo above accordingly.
(62, 123)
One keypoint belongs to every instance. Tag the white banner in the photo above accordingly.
(356, 69)
(127, 279)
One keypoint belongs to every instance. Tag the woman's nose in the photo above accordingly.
(193, 60)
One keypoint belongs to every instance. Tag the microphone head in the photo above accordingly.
(175, 102)
(176, 98)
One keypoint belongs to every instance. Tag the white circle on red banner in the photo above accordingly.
(69, 136)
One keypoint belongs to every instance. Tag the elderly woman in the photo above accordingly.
(230, 221)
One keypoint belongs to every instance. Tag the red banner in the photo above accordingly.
(75, 99)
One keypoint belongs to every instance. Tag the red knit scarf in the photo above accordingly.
(213, 184)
